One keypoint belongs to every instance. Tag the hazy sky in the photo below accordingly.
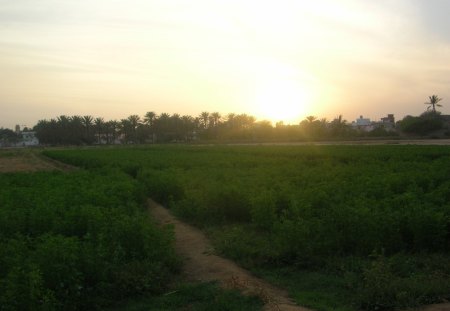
(283, 59)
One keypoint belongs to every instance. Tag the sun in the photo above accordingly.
(280, 100)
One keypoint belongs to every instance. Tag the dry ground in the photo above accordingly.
(201, 264)
(28, 160)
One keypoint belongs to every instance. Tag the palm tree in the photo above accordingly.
(311, 119)
(88, 121)
(125, 130)
(99, 126)
(339, 125)
(64, 128)
(135, 121)
(215, 117)
(204, 117)
(231, 120)
(111, 128)
(188, 127)
(434, 99)
(76, 130)
(149, 120)
(162, 126)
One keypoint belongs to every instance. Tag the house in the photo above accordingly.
(28, 139)
(388, 123)
(363, 124)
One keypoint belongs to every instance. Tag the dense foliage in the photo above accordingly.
(7, 137)
(165, 128)
(78, 241)
(422, 125)
(378, 217)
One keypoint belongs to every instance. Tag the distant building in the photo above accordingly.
(362, 121)
(388, 123)
(363, 124)
(28, 139)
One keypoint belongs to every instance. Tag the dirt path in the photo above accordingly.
(25, 160)
(202, 265)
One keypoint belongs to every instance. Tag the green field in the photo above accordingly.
(342, 227)
(83, 240)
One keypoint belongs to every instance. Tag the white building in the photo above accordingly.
(363, 124)
(28, 139)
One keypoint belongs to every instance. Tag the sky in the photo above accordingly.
(276, 60)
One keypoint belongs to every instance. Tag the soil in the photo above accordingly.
(25, 160)
(202, 265)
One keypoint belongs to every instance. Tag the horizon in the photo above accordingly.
(277, 61)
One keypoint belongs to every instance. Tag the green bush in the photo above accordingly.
(78, 241)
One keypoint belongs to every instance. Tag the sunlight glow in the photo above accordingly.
(281, 100)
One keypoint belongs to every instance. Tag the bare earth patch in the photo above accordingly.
(202, 265)
(24, 160)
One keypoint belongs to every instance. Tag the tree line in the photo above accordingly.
(165, 127)
(153, 128)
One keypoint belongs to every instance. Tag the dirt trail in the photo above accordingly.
(25, 160)
(202, 265)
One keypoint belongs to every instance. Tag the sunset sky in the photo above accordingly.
(276, 60)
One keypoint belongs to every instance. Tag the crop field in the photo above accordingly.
(341, 227)
(83, 240)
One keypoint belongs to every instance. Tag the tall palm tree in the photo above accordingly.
(434, 99)
(88, 121)
(125, 129)
(111, 128)
(64, 128)
(76, 130)
(215, 118)
(162, 126)
(339, 125)
(231, 120)
(311, 119)
(204, 117)
(135, 121)
(188, 127)
(149, 120)
(99, 127)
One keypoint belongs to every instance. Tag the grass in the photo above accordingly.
(194, 297)
(317, 290)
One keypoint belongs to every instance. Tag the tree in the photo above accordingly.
(425, 124)
(339, 126)
(204, 118)
(215, 118)
(8, 137)
(149, 120)
(99, 127)
(434, 99)
(134, 122)
(76, 130)
(111, 128)
(311, 119)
